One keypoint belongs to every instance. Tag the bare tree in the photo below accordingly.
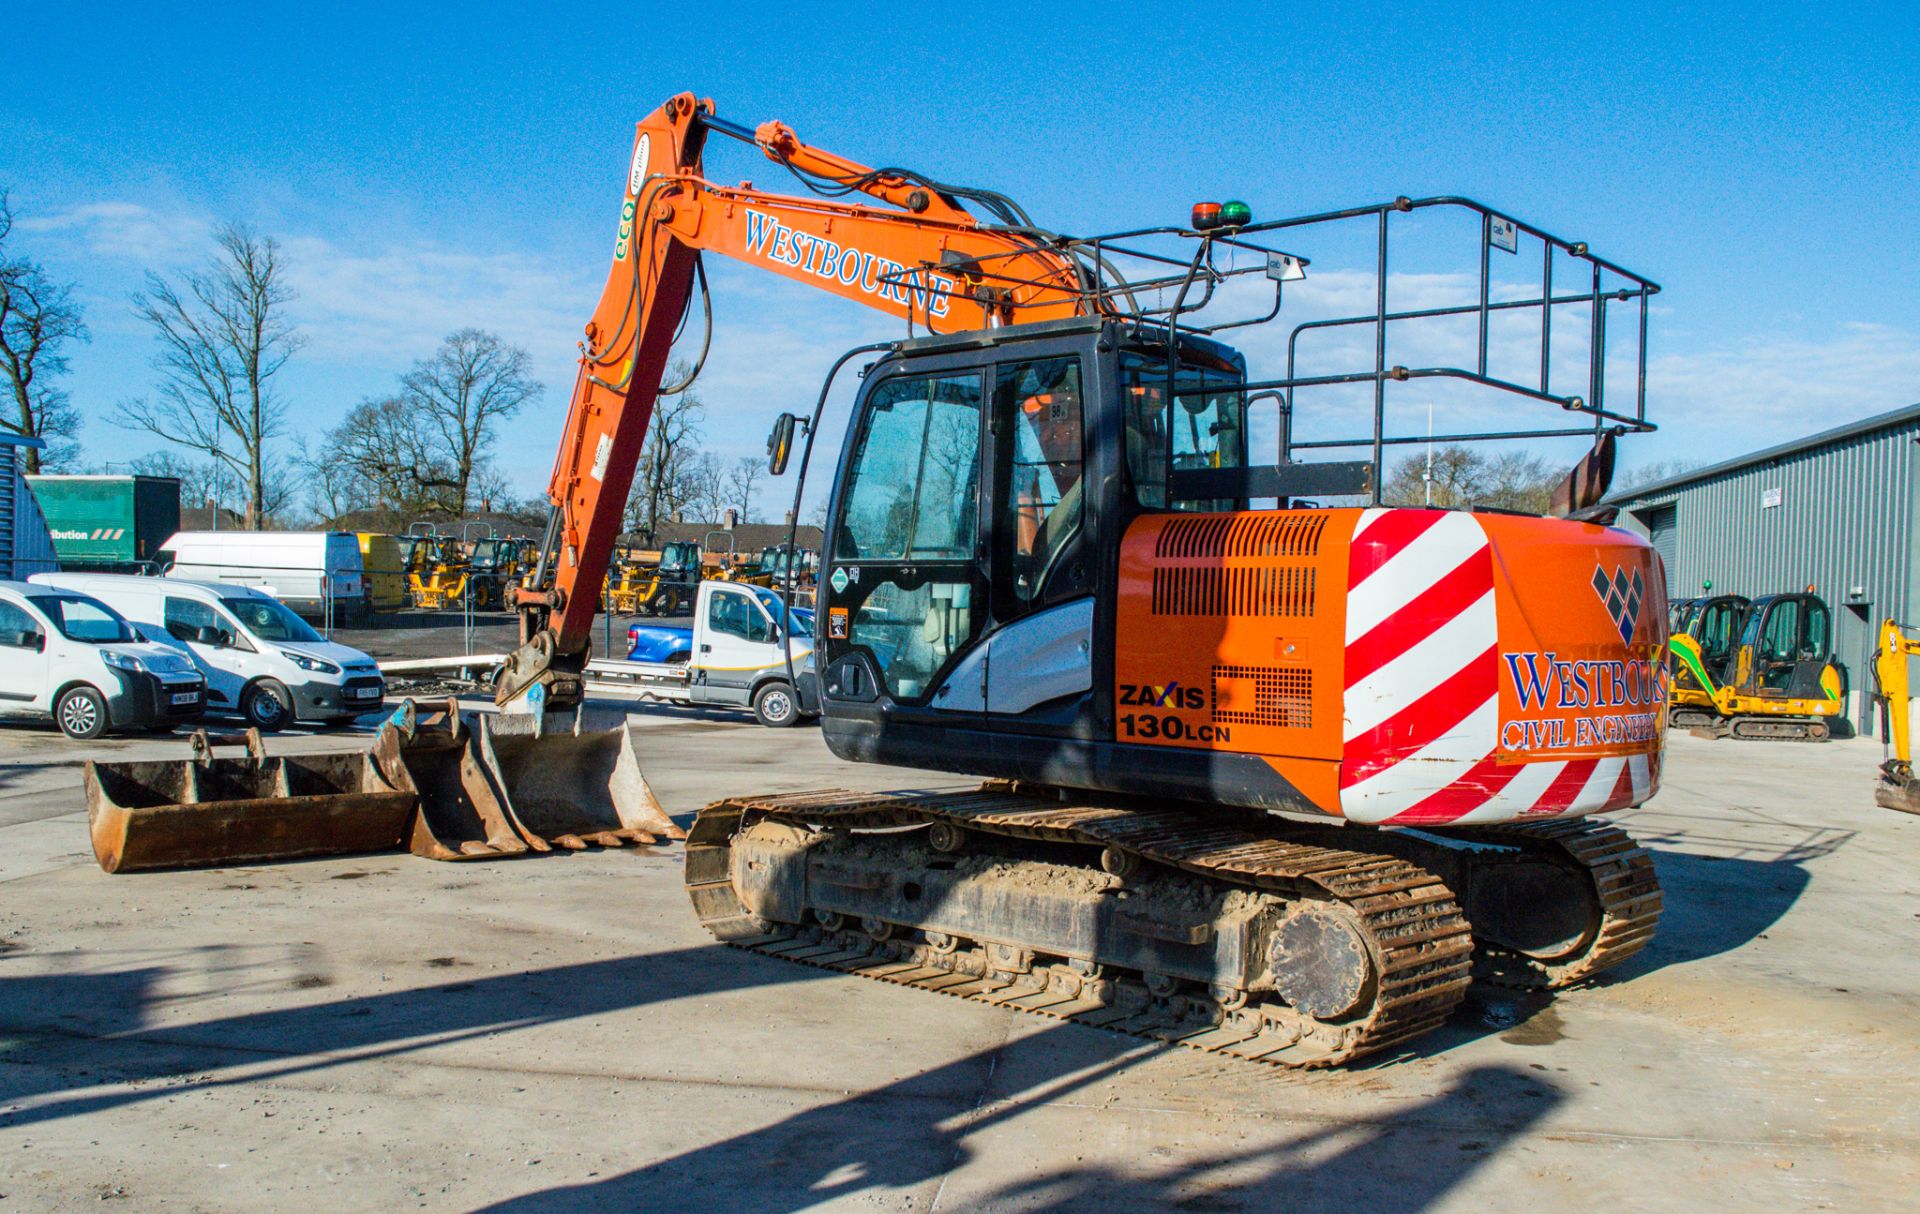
(494, 489)
(710, 492)
(334, 489)
(1647, 474)
(204, 482)
(222, 340)
(199, 479)
(385, 454)
(37, 319)
(471, 384)
(742, 479)
(662, 485)
(1465, 476)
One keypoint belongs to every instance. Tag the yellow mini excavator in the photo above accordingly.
(1778, 681)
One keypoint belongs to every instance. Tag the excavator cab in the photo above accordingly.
(1700, 645)
(1786, 650)
(961, 589)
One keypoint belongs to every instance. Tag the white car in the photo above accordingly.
(71, 657)
(260, 660)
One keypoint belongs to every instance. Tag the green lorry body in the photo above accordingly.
(108, 523)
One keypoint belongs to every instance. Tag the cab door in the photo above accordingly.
(1040, 646)
(903, 592)
(1717, 628)
(23, 659)
(733, 640)
(214, 643)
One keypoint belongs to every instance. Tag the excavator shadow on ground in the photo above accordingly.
(95, 1052)
(1403, 1161)
(1726, 881)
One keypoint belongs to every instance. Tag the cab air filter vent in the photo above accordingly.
(1282, 590)
(1266, 533)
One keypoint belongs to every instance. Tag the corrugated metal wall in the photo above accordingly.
(1844, 520)
(26, 546)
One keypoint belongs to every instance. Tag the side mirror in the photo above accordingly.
(35, 640)
(780, 443)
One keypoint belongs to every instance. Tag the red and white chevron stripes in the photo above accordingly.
(1423, 692)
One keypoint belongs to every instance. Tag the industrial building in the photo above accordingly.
(1835, 512)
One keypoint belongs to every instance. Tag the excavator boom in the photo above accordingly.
(922, 257)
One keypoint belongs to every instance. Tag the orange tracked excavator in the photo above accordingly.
(1268, 781)
(1258, 780)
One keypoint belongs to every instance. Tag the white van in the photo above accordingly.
(303, 569)
(74, 658)
(260, 660)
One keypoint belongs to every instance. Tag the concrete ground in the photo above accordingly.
(556, 1034)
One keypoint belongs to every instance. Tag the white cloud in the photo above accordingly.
(124, 231)
(391, 304)
(1852, 371)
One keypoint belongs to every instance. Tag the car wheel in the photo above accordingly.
(81, 713)
(268, 706)
(775, 705)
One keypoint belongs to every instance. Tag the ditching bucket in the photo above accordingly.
(567, 785)
(462, 815)
(180, 813)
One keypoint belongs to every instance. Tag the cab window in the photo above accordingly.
(1039, 406)
(1203, 425)
(910, 519)
(913, 492)
(18, 630)
(1796, 631)
(736, 615)
(195, 622)
(83, 619)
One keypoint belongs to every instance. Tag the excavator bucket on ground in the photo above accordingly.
(182, 813)
(568, 785)
(439, 785)
(437, 757)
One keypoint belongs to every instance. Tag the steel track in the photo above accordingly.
(1626, 893)
(1418, 940)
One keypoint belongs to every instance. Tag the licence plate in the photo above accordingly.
(364, 693)
(186, 697)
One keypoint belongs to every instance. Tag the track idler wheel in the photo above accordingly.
(1320, 962)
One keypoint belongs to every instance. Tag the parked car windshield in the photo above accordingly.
(270, 620)
(80, 618)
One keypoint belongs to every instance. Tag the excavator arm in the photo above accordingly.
(919, 255)
(1897, 789)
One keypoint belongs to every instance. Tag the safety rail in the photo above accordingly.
(1146, 276)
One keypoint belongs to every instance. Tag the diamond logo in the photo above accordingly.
(838, 578)
(1621, 595)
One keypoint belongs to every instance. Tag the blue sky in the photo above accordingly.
(434, 166)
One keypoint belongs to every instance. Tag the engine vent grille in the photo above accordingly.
(1283, 590)
(1263, 695)
(1266, 533)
